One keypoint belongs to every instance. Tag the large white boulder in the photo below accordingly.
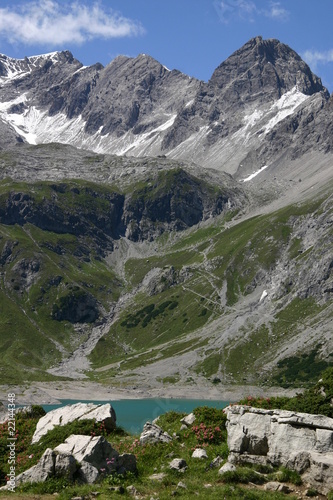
(98, 453)
(79, 411)
(82, 458)
(299, 441)
(94, 450)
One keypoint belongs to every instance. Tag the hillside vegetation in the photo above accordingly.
(167, 277)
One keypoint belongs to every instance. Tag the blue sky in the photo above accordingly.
(194, 36)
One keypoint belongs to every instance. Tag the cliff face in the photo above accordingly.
(170, 201)
(173, 201)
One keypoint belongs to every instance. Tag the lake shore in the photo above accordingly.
(54, 392)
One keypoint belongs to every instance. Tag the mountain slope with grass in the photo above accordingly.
(57, 285)
(165, 274)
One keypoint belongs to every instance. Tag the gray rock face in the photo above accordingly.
(256, 73)
(97, 452)
(70, 413)
(50, 465)
(175, 200)
(135, 90)
(299, 441)
(152, 433)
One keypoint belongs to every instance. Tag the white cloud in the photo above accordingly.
(277, 12)
(51, 22)
(242, 9)
(247, 10)
(315, 57)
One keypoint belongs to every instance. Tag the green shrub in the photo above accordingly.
(210, 416)
(316, 400)
(312, 492)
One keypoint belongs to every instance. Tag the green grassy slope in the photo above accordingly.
(191, 294)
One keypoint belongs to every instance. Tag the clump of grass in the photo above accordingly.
(243, 475)
(285, 475)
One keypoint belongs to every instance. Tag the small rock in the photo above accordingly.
(272, 486)
(189, 419)
(183, 427)
(152, 433)
(158, 476)
(199, 453)
(132, 490)
(283, 488)
(217, 462)
(118, 489)
(227, 467)
(181, 485)
(178, 464)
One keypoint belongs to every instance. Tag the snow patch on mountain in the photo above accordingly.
(133, 143)
(253, 118)
(5, 105)
(252, 176)
(285, 106)
(189, 103)
(37, 127)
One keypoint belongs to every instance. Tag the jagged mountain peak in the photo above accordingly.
(134, 67)
(267, 66)
(14, 68)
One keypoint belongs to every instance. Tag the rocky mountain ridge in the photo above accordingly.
(236, 122)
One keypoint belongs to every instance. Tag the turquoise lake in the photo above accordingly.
(132, 414)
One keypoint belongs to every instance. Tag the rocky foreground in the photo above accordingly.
(300, 443)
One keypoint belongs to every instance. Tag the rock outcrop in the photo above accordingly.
(298, 441)
(79, 411)
(79, 458)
